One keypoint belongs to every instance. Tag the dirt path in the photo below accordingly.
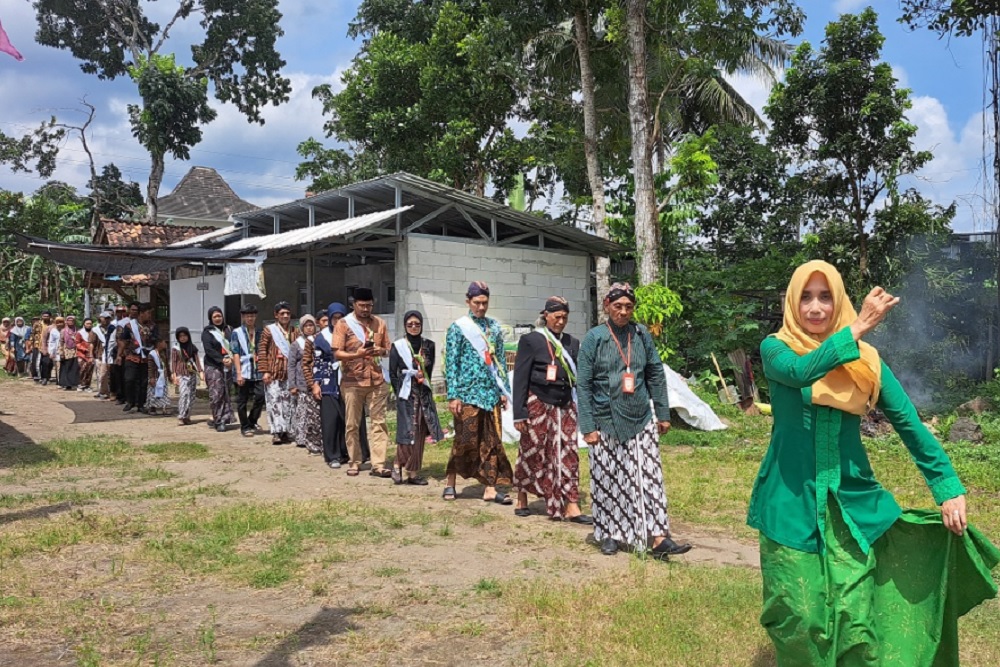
(428, 601)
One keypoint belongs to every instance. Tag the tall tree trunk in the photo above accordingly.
(647, 229)
(153, 188)
(588, 86)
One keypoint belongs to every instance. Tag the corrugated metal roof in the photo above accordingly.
(303, 237)
(425, 196)
(217, 235)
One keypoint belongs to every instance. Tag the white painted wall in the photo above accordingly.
(189, 306)
(437, 273)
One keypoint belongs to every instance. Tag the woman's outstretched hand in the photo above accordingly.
(877, 305)
(953, 515)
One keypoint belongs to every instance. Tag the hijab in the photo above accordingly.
(418, 340)
(20, 330)
(189, 348)
(212, 311)
(4, 328)
(853, 387)
(69, 333)
(336, 308)
(303, 321)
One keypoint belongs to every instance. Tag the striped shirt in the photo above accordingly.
(603, 405)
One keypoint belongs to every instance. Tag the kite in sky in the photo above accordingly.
(7, 47)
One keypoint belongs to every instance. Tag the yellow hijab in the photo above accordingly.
(853, 387)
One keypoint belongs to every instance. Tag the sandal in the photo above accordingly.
(449, 493)
(353, 472)
(522, 511)
(500, 499)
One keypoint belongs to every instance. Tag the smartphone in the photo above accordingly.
(369, 343)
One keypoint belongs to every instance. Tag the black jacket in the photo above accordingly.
(530, 368)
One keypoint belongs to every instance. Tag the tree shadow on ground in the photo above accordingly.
(17, 449)
(35, 513)
(318, 631)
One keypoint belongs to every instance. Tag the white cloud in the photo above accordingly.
(851, 6)
(754, 90)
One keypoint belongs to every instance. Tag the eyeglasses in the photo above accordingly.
(410, 325)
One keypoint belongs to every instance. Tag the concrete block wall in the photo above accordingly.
(438, 272)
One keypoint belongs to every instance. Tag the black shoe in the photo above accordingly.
(144, 411)
(221, 428)
(416, 481)
(119, 402)
(582, 519)
(128, 408)
(609, 547)
(45, 383)
(397, 476)
(522, 511)
(670, 548)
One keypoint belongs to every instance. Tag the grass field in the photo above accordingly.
(122, 552)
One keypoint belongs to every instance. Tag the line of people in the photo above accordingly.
(320, 379)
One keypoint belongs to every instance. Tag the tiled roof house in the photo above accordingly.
(201, 198)
(117, 234)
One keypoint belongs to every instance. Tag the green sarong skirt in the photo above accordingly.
(897, 605)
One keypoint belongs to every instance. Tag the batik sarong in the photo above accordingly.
(896, 605)
(188, 384)
(416, 420)
(548, 463)
(307, 424)
(279, 407)
(154, 402)
(477, 452)
(218, 396)
(626, 485)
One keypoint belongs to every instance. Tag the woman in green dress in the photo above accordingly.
(849, 577)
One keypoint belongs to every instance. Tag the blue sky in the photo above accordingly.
(259, 162)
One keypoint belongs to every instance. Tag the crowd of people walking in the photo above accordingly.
(326, 383)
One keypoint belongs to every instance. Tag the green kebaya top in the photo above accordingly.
(816, 452)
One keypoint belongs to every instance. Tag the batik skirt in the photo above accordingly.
(477, 451)
(416, 420)
(548, 463)
(626, 484)
(896, 605)
(218, 396)
(307, 425)
(186, 389)
(158, 403)
(280, 407)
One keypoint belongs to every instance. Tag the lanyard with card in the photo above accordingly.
(551, 370)
(628, 379)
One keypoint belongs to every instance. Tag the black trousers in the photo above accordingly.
(116, 380)
(45, 367)
(136, 383)
(244, 392)
(69, 373)
(333, 418)
(35, 360)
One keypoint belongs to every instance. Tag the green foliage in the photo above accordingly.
(958, 17)
(840, 117)
(29, 283)
(656, 306)
(173, 107)
(33, 152)
(112, 197)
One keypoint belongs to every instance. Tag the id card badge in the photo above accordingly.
(628, 383)
(550, 373)
(488, 358)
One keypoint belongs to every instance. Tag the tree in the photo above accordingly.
(840, 117)
(237, 56)
(113, 197)
(431, 92)
(959, 17)
(33, 152)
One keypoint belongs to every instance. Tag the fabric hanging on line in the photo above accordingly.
(246, 278)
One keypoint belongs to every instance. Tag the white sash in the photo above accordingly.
(328, 337)
(111, 349)
(279, 338)
(477, 339)
(218, 335)
(134, 325)
(406, 354)
(246, 360)
(301, 341)
(101, 336)
(359, 331)
(564, 355)
(161, 381)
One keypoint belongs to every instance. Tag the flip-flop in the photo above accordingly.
(449, 493)
(500, 499)
(522, 511)
(353, 472)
